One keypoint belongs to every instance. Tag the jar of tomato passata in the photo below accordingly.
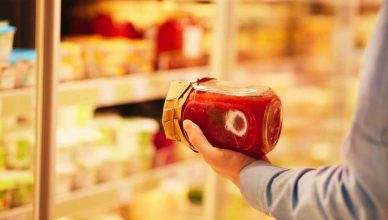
(243, 118)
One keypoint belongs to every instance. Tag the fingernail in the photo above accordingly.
(187, 124)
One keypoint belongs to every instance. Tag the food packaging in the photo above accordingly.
(6, 41)
(19, 145)
(112, 164)
(23, 188)
(6, 187)
(134, 136)
(179, 43)
(7, 78)
(244, 118)
(64, 178)
(107, 126)
(85, 173)
(72, 65)
(2, 157)
(23, 67)
(66, 144)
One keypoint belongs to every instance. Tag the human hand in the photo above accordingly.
(225, 162)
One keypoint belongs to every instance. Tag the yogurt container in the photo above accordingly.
(6, 41)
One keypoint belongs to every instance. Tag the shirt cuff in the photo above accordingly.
(253, 182)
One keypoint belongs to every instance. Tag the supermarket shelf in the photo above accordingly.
(106, 196)
(102, 91)
(265, 1)
(325, 2)
(23, 212)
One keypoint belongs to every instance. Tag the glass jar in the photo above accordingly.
(243, 118)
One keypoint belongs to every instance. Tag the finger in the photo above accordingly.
(198, 140)
(265, 158)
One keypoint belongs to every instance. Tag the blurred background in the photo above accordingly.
(117, 58)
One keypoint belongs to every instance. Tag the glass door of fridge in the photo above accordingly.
(19, 110)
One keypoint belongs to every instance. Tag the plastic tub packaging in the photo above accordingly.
(23, 188)
(112, 164)
(6, 40)
(72, 63)
(23, 67)
(7, 78)
(244, 118)
(6, 187)
(85, 172)
(86, 142)
(64, 178)
(66, 144)
(2, 158)
(19, 145)
(4, 23)
(135, 137)
(107, 127)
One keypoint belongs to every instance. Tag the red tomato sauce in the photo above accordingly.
(247, 124)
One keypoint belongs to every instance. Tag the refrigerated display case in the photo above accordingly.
(98, 162)
(18, 136)
(309, 52)
(89, 99)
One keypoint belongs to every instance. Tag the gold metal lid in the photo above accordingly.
(172, 110)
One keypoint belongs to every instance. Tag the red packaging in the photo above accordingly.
(179, 43)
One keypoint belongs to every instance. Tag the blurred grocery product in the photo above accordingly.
(167, 201)
(4, 23)
(264, 31)
(135, 136)
(102, 216)
(105, 26)
(177, 36)
(103, 148)
(7, 33)
(74, 116)
(64, 178)
(19, 142)
(85, 173)
(165, 150)
(106, 125)
(179, 42)
(113, 164)
(66, 142)
(72, 65)
(313, 45)
(93, 56)
(23, 189)
(6, 187)
(7, 78)
(15, 188)
(311, 101)
(19, 70)
(3, 158)
(23, 67)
